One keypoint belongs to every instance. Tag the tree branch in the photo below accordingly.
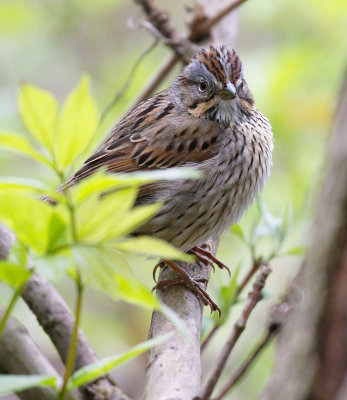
(312, 348)
(253, 298)
(20, 355)
(171, 363)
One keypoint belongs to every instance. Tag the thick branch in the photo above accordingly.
(311, 360)
(20, 355)
(174, 369)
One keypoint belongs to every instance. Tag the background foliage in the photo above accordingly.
(293, 57)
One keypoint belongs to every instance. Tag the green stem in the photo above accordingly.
(70, 362)
(9, 310)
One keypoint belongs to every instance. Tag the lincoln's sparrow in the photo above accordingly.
(207, 120)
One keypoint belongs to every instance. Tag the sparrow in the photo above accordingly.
(206, 120)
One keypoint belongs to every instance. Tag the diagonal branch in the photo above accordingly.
(20, 355)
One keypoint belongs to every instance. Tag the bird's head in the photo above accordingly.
(212, 86)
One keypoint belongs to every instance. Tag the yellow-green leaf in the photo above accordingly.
(97, 218)
(133, 219)
(77, 124)
(36, 224)
(13, 275)
(151, 246)
(18, 383)
(99, 368)
(22, 146)
(38, 110)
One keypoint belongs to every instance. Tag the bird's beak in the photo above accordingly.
(228, 92)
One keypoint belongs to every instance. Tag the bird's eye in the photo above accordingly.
(202, 86)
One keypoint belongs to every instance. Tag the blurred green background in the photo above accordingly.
(294, 56)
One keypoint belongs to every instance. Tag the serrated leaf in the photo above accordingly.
(96, 370)
(21, 146)
(98, 218)
(38, 110)
(102, 181)
(133, 219)
(151, 246)
(18, 383)
(133, 291)
(31, 219)
(77, 124)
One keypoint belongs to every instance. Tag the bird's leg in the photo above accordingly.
(203, 255)
(191, 283)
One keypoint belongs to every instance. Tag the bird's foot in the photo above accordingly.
(191, 283)
(208, 258)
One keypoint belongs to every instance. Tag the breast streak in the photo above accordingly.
(195, 211)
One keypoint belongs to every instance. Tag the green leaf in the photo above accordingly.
(298, 250)
(227, 296)
(77, 124)
(17, 383)
(103, 269)
(133, 291)
(147, 245)
(98, 218)
(101, 181)
(38, 110)
(133, 219)
(35, 223)
(22, 146)
(13, 275)
(237, 230)
(9, 182)
(96, 370)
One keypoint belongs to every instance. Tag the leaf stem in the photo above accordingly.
(70, 362)
(9, 310)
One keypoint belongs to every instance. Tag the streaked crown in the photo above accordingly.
(224, 64)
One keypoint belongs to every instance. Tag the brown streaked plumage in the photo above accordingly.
(207, 120)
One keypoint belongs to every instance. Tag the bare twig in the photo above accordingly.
(124, 88)
(253, 298)
(254, 268)
(157, 79)
(246, 364)
(159, 19)
(200, 24)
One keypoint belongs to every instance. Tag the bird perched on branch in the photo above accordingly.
(207, 120)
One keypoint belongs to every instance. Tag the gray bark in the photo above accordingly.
(311, 360)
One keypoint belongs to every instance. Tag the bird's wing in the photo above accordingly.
(154, 135)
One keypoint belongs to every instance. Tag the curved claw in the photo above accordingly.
(199, 251)
(160, 264)
(203, 259)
